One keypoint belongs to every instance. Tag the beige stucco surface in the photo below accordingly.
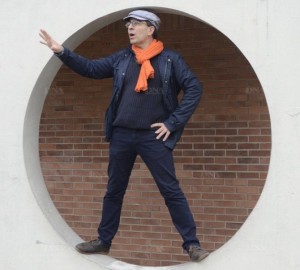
(34, 236)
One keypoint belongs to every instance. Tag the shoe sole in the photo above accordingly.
(91, 253)
(202, 257)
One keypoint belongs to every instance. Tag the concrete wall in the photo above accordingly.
(33, 234)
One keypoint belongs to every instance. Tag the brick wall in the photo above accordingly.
(221, 161)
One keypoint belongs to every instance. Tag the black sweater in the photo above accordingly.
(138, 110)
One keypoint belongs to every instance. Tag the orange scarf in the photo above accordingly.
(143, 58)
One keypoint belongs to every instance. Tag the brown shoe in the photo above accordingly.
(196, 253)
(93, 247)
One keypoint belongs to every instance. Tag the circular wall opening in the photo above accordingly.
(221, 161)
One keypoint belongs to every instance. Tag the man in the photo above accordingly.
(144, 118)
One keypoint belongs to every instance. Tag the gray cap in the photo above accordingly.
(144, 15)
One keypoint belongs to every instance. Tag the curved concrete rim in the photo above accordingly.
(257, 30)
(38, 185)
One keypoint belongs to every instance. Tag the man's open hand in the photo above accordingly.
(161, 131)
(50, 42)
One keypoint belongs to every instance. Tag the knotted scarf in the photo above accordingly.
(143, 58)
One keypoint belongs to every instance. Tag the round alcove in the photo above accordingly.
(221, 161)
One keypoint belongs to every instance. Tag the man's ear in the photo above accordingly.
(151, 30)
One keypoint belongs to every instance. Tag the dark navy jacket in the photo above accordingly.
(176, 76)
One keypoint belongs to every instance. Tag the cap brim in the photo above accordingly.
(135, 17)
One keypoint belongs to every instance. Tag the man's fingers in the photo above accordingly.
(44, 33)
(46, 37)
(164, 133)
(43, 42)
(50, 42)
(166, 136)
(159, 135)
(161, 131)
(155, 125)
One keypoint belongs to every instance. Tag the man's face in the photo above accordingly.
(140, 34)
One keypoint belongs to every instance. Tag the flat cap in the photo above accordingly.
(144, 15)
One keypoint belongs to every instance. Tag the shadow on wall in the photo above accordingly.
(221, 162)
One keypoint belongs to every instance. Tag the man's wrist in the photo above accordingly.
(169, 127)
(60, 52)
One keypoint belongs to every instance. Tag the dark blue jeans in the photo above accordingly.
(125, 145)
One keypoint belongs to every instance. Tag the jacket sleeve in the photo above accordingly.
(192, 89)
(95, 69)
